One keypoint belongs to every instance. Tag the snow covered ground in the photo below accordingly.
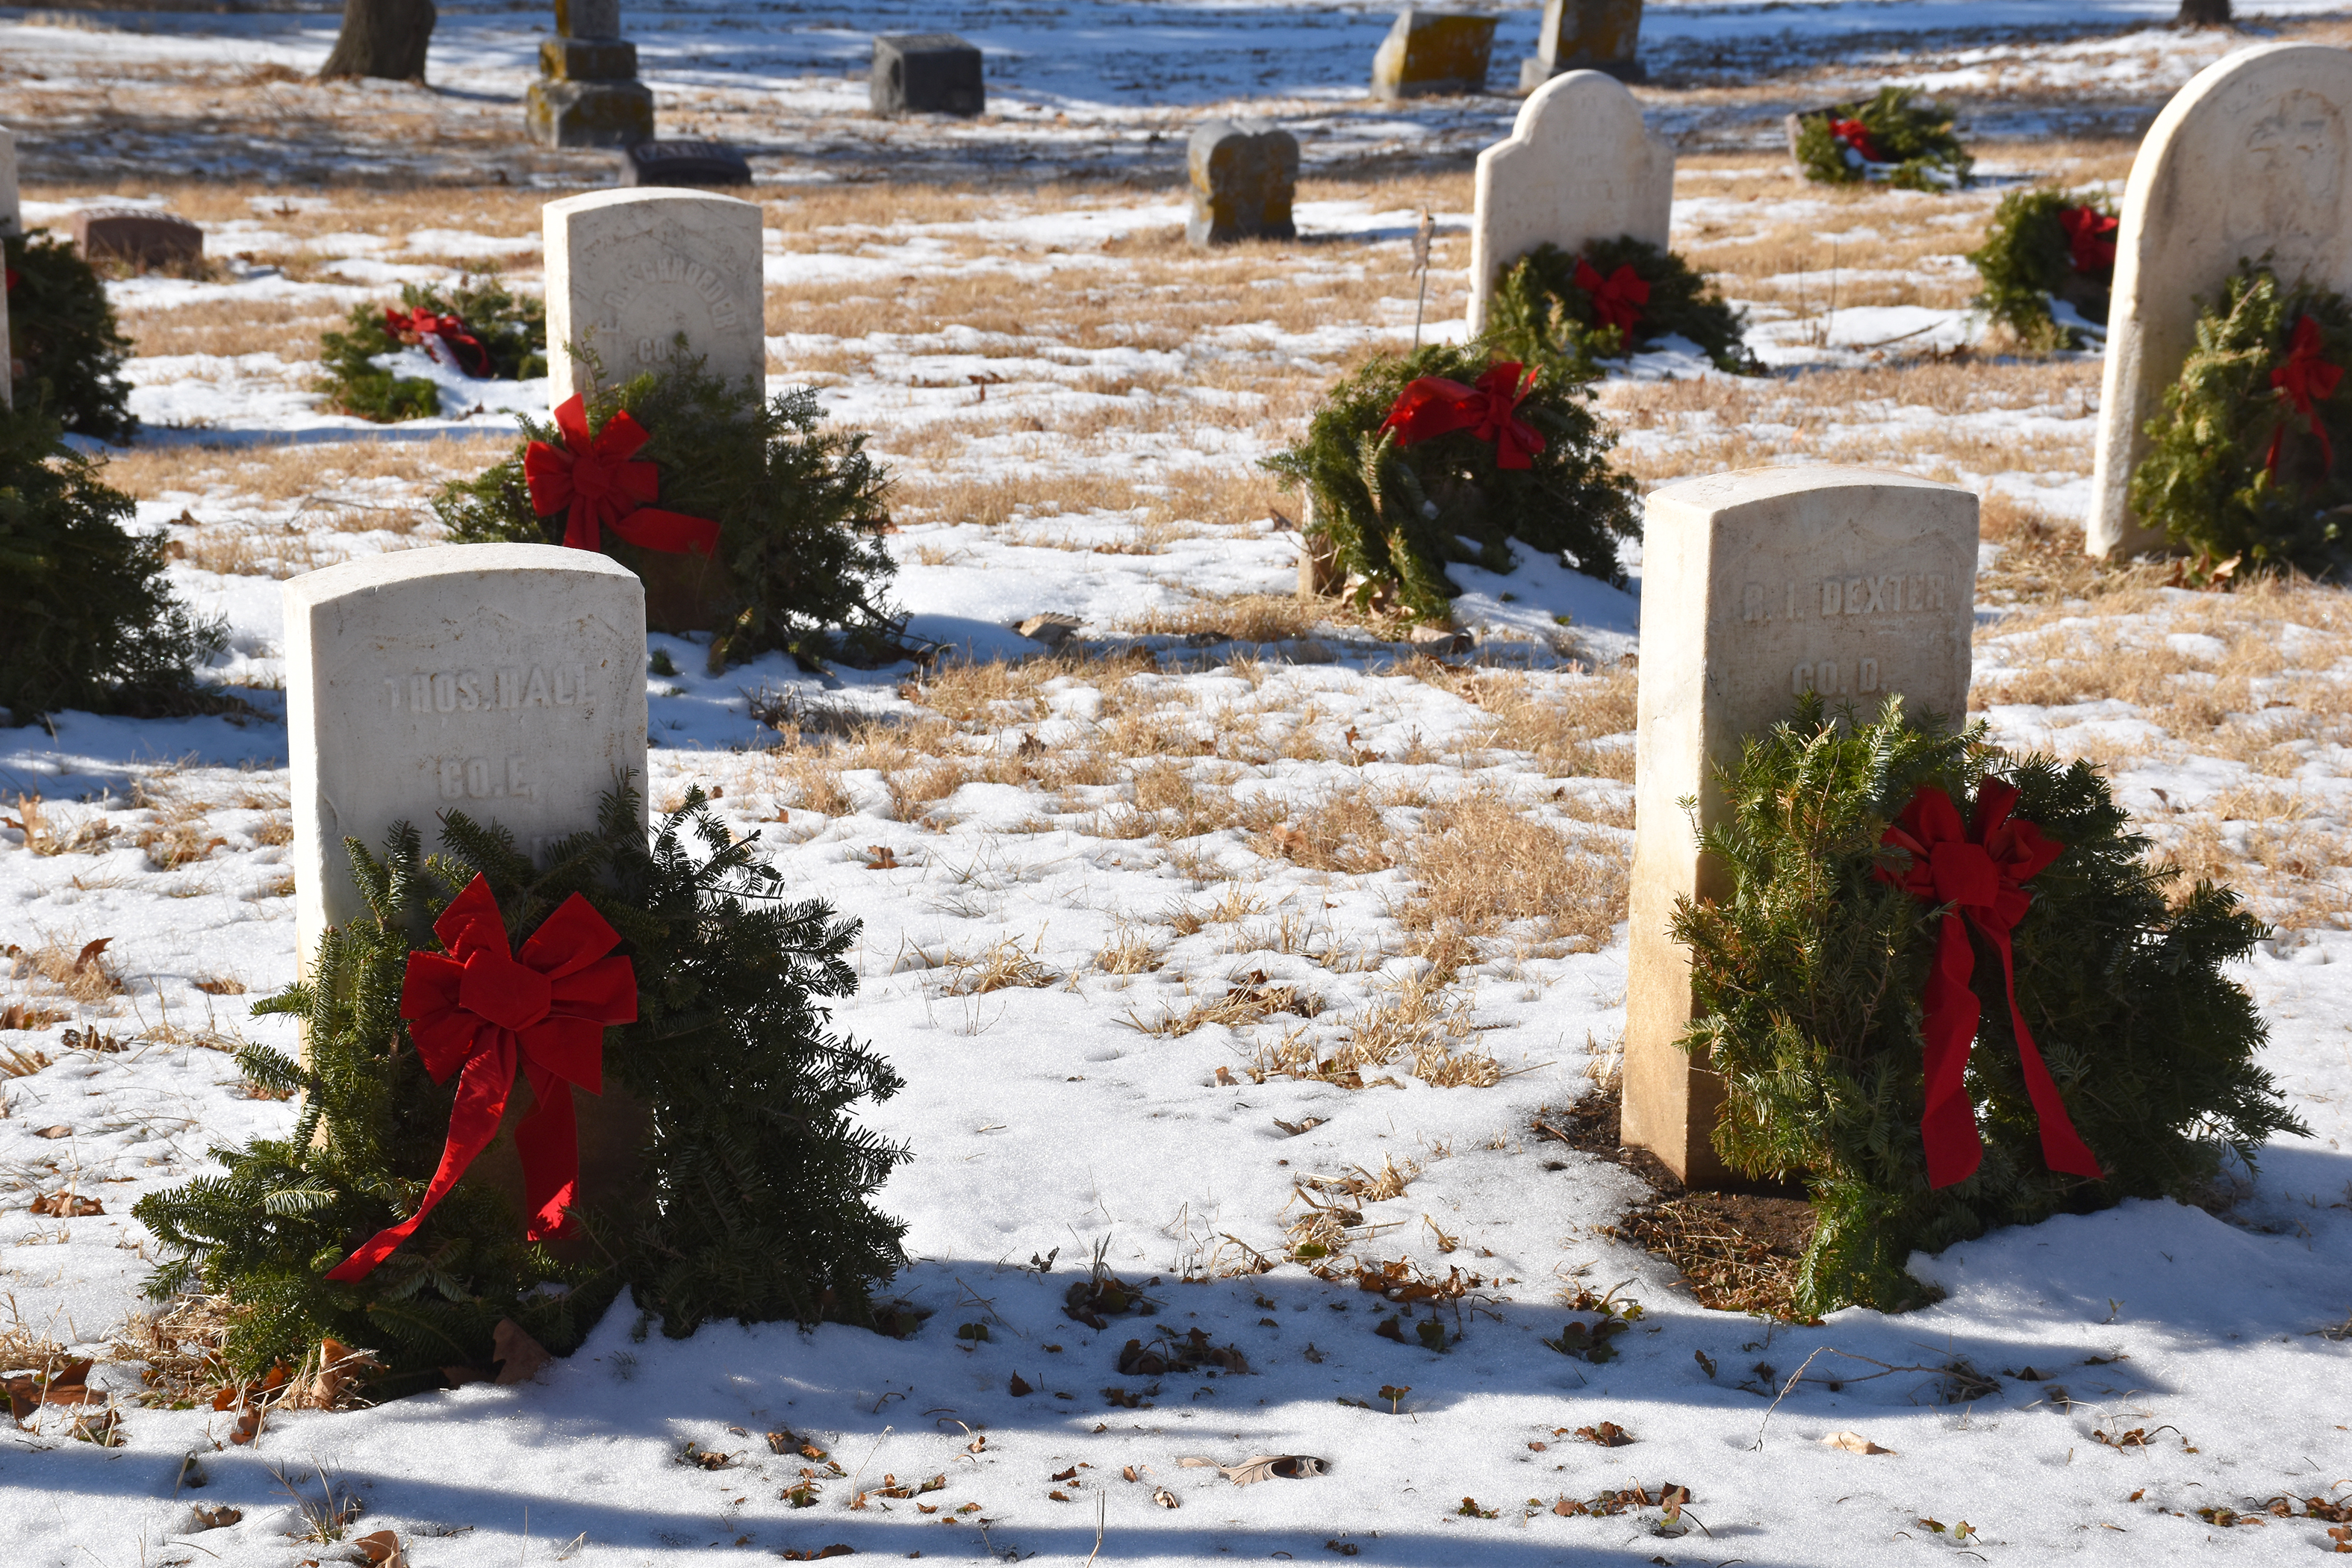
(1138, 894)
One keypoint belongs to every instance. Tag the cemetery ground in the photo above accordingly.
(1233, 926)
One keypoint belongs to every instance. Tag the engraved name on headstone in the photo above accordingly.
(627, 271)
(2252, 157)
(1578, 166)
(503, 680)
(1757, 587)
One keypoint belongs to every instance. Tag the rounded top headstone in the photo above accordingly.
(2253, 158)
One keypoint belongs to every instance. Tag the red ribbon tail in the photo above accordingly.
(2270, 460)
(651, 527)
(580, 529)
(1947, 1122)
(482, 1101)
(2326, 447)
(548, 1139)
(2063, 1148)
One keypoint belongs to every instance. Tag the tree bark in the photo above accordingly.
(381, 38)
(2204, 14)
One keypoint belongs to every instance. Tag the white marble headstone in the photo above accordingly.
(628, 271)
(507, 681)
(1758, 586)
(1579, 165)
(2254, 155)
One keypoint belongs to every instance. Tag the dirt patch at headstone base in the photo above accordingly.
(1738, 1251)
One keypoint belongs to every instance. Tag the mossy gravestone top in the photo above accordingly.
(1433, 52)
(2253, 157)
(1578, 166)
(506, 682)
(1757, 587)
(627, 271)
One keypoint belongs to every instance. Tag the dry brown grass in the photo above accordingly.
(1246, 617)
(1562, 719)
(298, 471)
(1342, 832)
(1479, 864)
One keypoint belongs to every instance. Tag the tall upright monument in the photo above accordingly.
(588, 94)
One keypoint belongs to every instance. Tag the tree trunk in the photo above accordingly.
(2204, 14)
(384, 39)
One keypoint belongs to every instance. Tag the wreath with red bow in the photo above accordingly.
(2048, 265)
(1608, 300)
(2251, 462)
(748, 517)
(675, 973)
(476, 327)
(1896, 136)
(1947, 990)
(1412, 457)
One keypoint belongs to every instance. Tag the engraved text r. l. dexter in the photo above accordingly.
(1877, 593)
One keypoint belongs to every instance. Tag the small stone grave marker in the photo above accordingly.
(507, 681)
(1585, 35)
(627, 271)
(684, 164)
(1432, 52)
(1245, 176)
(2252, 157)
(139, 236)
(1758, 586)
(1578, 166)
(925, 73)
(588, 94)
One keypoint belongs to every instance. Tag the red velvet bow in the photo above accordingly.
(603, 489)
(1856, 135)
(1980, 875)
(421, 323)
(1434, 405)
(1617, 300)
(2304, 379)
(2090, 237)
(479, 1012)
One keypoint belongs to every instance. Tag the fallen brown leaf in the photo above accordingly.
(382, 1550)
(1853, 1443)
(59, 1130)
(519, 1357)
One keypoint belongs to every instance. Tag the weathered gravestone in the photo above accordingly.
(139, 235)
(1431, 52)
(1758, 586)
(506, 682)
(925, 73)
(1585, 35)
(588, 94)
(1245, 176)
(2252, 157)
(629, 271)
(1578, 166)
(683, 163)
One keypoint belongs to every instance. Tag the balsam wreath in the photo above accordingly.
(1896, 136)
(1948, 989)
(2249, 461)
(747, 516)
(2047, 246)
(749, 1196)
(1610, 299)
(1414, 455)
(65, 350)
(479, 326)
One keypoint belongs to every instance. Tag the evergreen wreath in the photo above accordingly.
(1552, 304)
(799, 508)
(62, 328)
(488, 331)
(1810, 978)
(2042, 246)
(1897, 136)
(756, 1181)
(1394, 513)
(2246, 465)
(88, 619)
